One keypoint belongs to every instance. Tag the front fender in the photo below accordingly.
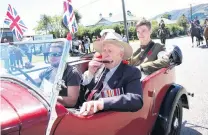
(174, 94)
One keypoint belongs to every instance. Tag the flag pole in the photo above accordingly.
(58, 81)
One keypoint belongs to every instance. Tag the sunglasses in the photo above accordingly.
(53, 54)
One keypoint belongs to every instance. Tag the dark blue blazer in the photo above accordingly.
(125, 77)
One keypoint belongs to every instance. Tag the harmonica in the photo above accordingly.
(104, 61)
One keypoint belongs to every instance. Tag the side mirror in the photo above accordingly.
(176, 56)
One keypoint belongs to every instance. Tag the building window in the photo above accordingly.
(8, 36)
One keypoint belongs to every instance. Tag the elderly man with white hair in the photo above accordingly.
(117, 87)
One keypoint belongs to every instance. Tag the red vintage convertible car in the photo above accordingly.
(26, 108)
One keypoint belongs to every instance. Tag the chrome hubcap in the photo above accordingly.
(175, 123)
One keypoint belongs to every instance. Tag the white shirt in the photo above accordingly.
(107, 77)
(87, 77)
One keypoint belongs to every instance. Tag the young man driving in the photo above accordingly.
(68, 95)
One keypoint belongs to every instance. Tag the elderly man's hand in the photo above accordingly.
(94, 66)
(91, 107)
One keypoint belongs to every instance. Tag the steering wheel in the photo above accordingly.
(26, 75)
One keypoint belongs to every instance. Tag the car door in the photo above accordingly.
(104, 123)
(160, 81)
(110, 123)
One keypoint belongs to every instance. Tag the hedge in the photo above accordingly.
(93, 32)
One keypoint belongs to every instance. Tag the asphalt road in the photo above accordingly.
(193, 75)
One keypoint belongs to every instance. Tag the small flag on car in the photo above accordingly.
(15, 23)
(69, 19)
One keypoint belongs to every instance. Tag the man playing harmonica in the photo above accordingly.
(114, 85)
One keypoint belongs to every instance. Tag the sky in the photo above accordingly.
(30, 10)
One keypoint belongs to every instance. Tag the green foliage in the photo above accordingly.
(81, 31)
(154, 23)
(173, 29)
(94, 31)
(45, 24)
(167, 16)
(132, 32)
(155, 28)
(183, 22)
(51, 25)
(78, 16)
(54, 25)
(154, 31)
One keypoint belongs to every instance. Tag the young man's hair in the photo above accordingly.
(142, 22)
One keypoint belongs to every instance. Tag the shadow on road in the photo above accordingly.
(203, 47)
(187, 129)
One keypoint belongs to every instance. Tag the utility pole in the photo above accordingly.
(191, 11)
(125, 23)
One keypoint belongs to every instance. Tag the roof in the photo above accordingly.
(29, 32)
(119, 18)
(4, 26)
(167, 21)
(114, 19)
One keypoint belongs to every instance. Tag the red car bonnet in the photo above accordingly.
(9, 117)
(21, 104)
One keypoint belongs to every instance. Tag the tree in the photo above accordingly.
(154, 23)
(167, 16)
(51, 25)
(80, 32)
(45, 24)
(132, 32)
(54, 25)
(183, 22)
(77, 16)
(58, 30)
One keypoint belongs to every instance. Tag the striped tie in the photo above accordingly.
(94, 94)
(100, 82)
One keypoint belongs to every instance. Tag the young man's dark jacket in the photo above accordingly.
(150, 63)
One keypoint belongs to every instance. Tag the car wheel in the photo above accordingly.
(176, 119)
(174, 122)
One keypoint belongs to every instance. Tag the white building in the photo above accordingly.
(166, 21)
(115, 19)
(5, 32)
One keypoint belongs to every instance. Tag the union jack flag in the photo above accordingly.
(15, 23)
(69, 19)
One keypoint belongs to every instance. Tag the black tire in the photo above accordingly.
(174, 122)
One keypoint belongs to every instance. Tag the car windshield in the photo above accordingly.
(39, 64)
